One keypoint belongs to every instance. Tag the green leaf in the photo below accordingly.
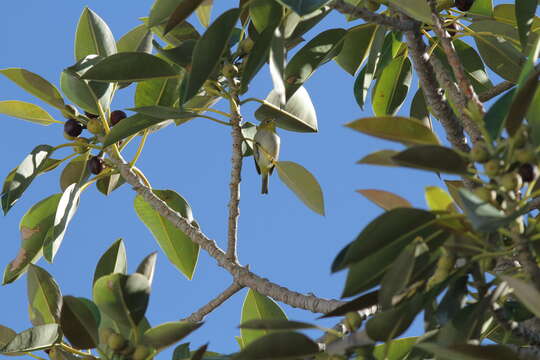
(148, 266)
(178, 35)
(162, 92)
(469, 352)
(181, 13)
(397, 349)
(129, 126)
(396, 128)
(178, 247)
(163, 112)
(137, 39)
(160, 11)
(110, 183)
(26, 111)
(363, 302)
(523, 98)
(210, 47)
(260, 12)
(276, 64)
(21, 177)
(123, 298)
(34, 227)
(35, 85)
(437, 199)
(418, 10)
(130, 66)
(69, 202)
(181, 55)
(385, 199)
(298, 114)
(113, 261)
(321, 49)
(93, 36)
(392, 87)
(432, 158)
(181, 352)
(36, 338)
(526, 293)
(482, 7)
(279, 345)
(203, 12)
(419, 109)
(44, 297)
(483, 216)
(525, 11)
(304, 7)
(6, 334)
(276, 324)
(472, 64)
(80, 322)
(166, 334)
(260, 307)
(76, 171)
(382, 157)
(356, 45)
(533, 117)
(303, 184)
(495, 118)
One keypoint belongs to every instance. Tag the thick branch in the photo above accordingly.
(212, 305)
(518, 330)
(236, 173)
(526, 353)
(240, 274)
(371, 17)
(527, 260)
(495, 91)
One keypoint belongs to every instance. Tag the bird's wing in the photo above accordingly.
(255, 157)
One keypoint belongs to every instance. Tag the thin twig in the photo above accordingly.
(495, 91)
(241, 275)
(371, 17)
(215, 303)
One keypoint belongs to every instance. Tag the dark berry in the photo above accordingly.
(73, 128)
(116, 116)
(464, 5)
(95, 165)
(90, 115)
(528, 172)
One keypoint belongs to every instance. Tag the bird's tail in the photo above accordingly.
(264, 189)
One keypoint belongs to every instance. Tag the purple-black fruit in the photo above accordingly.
(95, 165)
(116, 116)
(73, 128)
(464, 5)
(528, 172)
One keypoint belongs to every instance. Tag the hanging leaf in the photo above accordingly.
(44, 297)
(382, 157)
(495, 118)
(303, 184)
(148, 266)
(20, 178)
(260, 307)
(385, 199)
(418, 10)
(93, 36)
(469, 352)
(276, 64)
(36, 338)
(356, 45)
(26, 111)
(137, 39)
(181, 13)
(34, 227)
(80, 322)
(279, 345)
(35, 85)
(166, 334)
(203, 12)
(432, 158)
(419, 109)
(181, 55)
(392, 87)
(113, 261)
(108, 184)
(210, 47)
(180, 250)
(482, 215)
(304, 7)
(525, 12)
(75, 172)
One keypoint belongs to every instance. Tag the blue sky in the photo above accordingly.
(279, 237)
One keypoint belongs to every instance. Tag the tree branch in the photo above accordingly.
(495, 91)
(371, 17)
(236, 173)
(241, 275)
(517, 329)
(213, 304)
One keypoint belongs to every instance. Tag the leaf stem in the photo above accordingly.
(139, 149)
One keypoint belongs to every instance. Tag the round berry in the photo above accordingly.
(479, 153)
(95, 165)
(95, 127)
(485, 194)
(73, 128)
(141, 352)
(492, 167)
(512, 181)
(116, 342)
(464, 5)
(116, 116)
(528, 172)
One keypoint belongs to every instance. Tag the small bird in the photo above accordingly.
(266, 151)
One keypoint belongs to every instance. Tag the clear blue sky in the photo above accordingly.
(279, 237)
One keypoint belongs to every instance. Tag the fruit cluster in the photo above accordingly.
(124, 349)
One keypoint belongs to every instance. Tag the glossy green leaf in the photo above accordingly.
(361, 87)
(204, 11)
(381, 157)
(108, 184)
(473, 65)
(392, 87)
(469, 352)
(396, 128)
(432, 158)
(129, 126)
(260, 12)
(44, 297)
(163, 112)
(525, 12)
(276, 64)
(147, 267)
(35, 85)
(321, 49)
(162, 92)
(178, 35)
(181, 352)
(304, 7)
(130, 66)
(180, 250)
(93, 36)
(21, 177)
(452, 302)
(160, 11)
(482, 7)
(36, 338)
(418, 10)
(113, 260)
(495, 118)
(482, 215)
(298, 114)
(181, 55)
(419, 109)
(123, 298)
(210, 47)
(497, 52)
(523, 97)
(181, 13)
(526, 293)
(76, 171)
(303, 184)
(397, 349)
(166, 334)
(26, 111)
(279, 345)
(258, 307)
(385, 199)
(356, 46)
(80, 322)
(69, 202)
(6, 334)
(276, 324)
(137, 39)
(34, 227)
(533, 117)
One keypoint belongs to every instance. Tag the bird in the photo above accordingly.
(266, 151)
